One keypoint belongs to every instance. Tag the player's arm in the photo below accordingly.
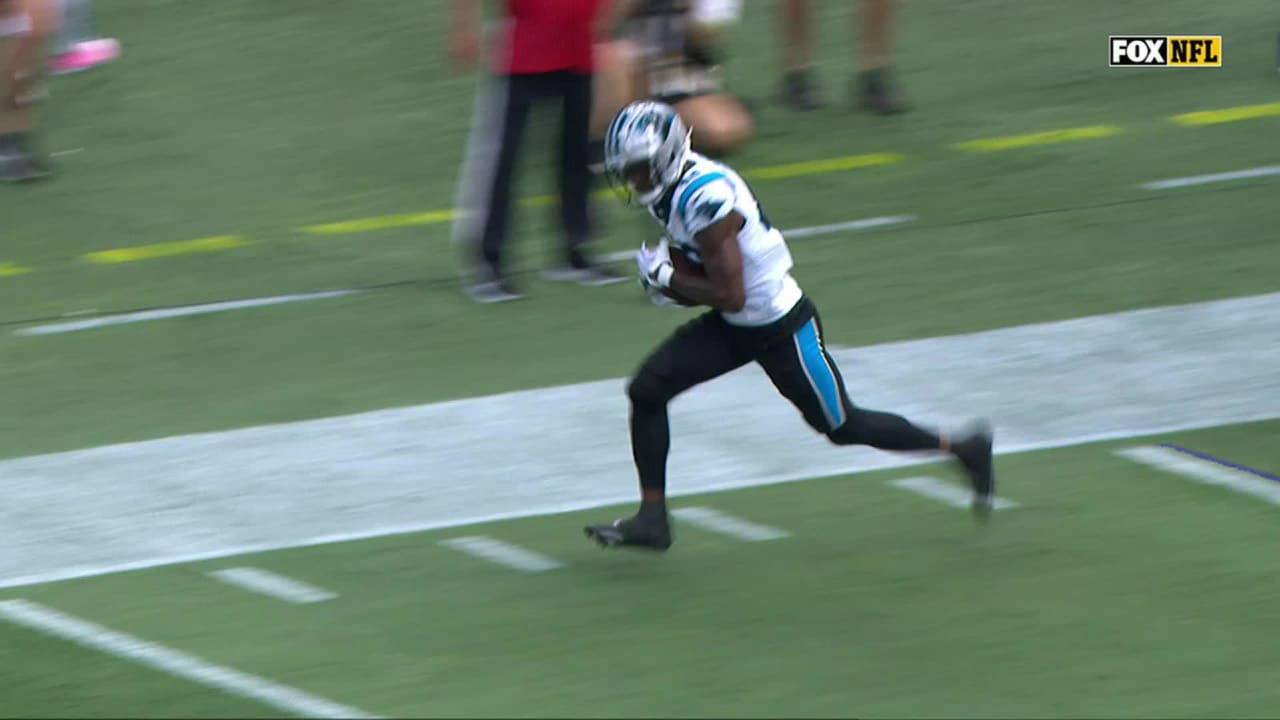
(722, 288)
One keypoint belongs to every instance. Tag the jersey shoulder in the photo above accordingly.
(706, 194)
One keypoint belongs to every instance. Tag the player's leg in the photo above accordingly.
(719, 123)
(806, 374)
(575, 185)
(24, 26)
(488, 177)
(795, 23)
(698, 351)
(876, 86)
(77, 47)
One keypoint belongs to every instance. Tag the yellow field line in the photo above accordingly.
(549, 200)
(182, 247)
(382, 222)
(1226, 115)
(1051, 137)
(820, 167)
(772, 172)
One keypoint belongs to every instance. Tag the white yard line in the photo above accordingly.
(803, 232)
(512, 556)
(407, 470)
(849, 226)
(272, 585)
(1257, 172)
(1204, 471)
(725, 524)
(945, 492)
(166, 313)
(174, 662)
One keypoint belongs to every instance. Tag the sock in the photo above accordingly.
(885, 431)
(650, 442)
(652, 504)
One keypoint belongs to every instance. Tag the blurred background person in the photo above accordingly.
(542, 53)
(25, 25)
(874, 86)
(671, 51)
(77, 46)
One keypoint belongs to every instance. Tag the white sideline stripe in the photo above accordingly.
(794, 234)
(273, 585)
(1203, 471)
(864, 224)
(82, 632)
(726, 524)
(943, 492)
(502, 553)
(1264, 171)
(89, 571)
(166, 313)
(354, 477)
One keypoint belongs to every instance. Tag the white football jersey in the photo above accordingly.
(708, 191)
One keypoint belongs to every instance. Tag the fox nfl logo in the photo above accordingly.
(1166, 50)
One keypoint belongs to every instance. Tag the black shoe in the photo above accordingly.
(648, 531)
(876, 91)
(584, 272)
(974, 452)
(798, 91)
(490, 287)
(21, 166)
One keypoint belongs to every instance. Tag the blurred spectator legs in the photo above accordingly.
(875, 87)
(77, 47)
(24, 26)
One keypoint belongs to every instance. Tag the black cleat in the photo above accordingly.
(798, 91)
(20, 167)
(652, 533)
(877, 91)
(974, 452)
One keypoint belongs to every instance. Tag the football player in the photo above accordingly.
(758, 314)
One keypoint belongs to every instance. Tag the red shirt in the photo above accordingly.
(547, 35)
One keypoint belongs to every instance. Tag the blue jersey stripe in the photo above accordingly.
(693, 188)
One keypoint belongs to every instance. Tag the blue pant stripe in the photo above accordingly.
(820, 374)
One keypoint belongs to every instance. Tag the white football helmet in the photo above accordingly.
(650, 134)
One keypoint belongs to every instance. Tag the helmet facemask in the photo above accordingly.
(653, 153)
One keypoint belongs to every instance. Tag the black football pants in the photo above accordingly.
(792, 354)
(497, 134)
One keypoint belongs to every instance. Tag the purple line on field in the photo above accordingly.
(1220, 461)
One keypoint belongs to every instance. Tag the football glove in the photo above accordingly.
(656, 296)
(655, 264)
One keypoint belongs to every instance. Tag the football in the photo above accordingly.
(681, 262)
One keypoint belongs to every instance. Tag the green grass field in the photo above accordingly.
(1112, 588)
